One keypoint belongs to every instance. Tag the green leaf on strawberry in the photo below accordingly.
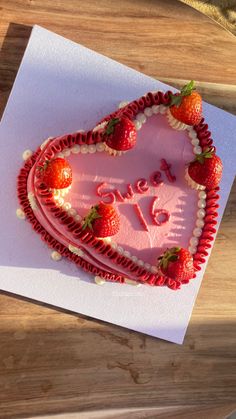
(206, 154)
(111, 126)
(170, 255)
(120, 134)
(206, 169)
(103, 220)
(188, 88)
(185, 91)
(177, 263)
(92, 215)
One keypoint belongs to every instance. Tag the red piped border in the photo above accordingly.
(212, 197)
(91, 137)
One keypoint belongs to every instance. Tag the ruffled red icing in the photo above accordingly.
(212, 197)
(98, 246)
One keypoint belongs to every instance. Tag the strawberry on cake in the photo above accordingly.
(134, 200)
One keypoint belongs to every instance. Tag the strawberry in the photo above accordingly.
(120, 134)
(177, 263)
(186, 106)
(57, 173)
(103, 220)
(206, 169)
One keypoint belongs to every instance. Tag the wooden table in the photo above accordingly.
(56, 362)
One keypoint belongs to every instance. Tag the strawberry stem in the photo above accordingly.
(111, 126)
(92, 215)
(170, 255)
(188, 88)
(185, 91)
(206, 154)
(175, 100)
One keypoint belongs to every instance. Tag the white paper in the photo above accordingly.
(62, 87)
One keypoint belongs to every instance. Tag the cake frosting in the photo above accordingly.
(160, 206)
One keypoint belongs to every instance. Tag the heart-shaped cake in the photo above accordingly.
(134, 200)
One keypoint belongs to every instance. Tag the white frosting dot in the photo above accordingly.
(107, 239)
(192, 133)
(148, 111)
(197, 232)
(163, 109)
(20, 214)
(202, 195)
(92, 148)
(66, 206)
(75, 250)
(134, 259)
(140, 262)
(100, 146)
(56, 256)
(201, 213)
(131, 282)
(155, 109)
(154, 269)
(100, 126)
(201, 203)
(45, 142)
(114, 245)
(72, 212)
(200, 223)
(147, 266)
(56, 193)
(197, 149)
(193, 241)
(195, 142)
(32, 201)
(99, 280)
(123, 104)
(75, 149)
(137, 124)
(192, 249)
(120, 250)
(60, 155)
(127, 254)
(141, 117)
(201, 187)
(84, 149)
(66, 152)
(60, 201)
(26, 154)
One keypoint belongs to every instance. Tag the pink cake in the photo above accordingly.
(160, 206)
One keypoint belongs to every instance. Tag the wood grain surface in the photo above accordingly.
(57, 362)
